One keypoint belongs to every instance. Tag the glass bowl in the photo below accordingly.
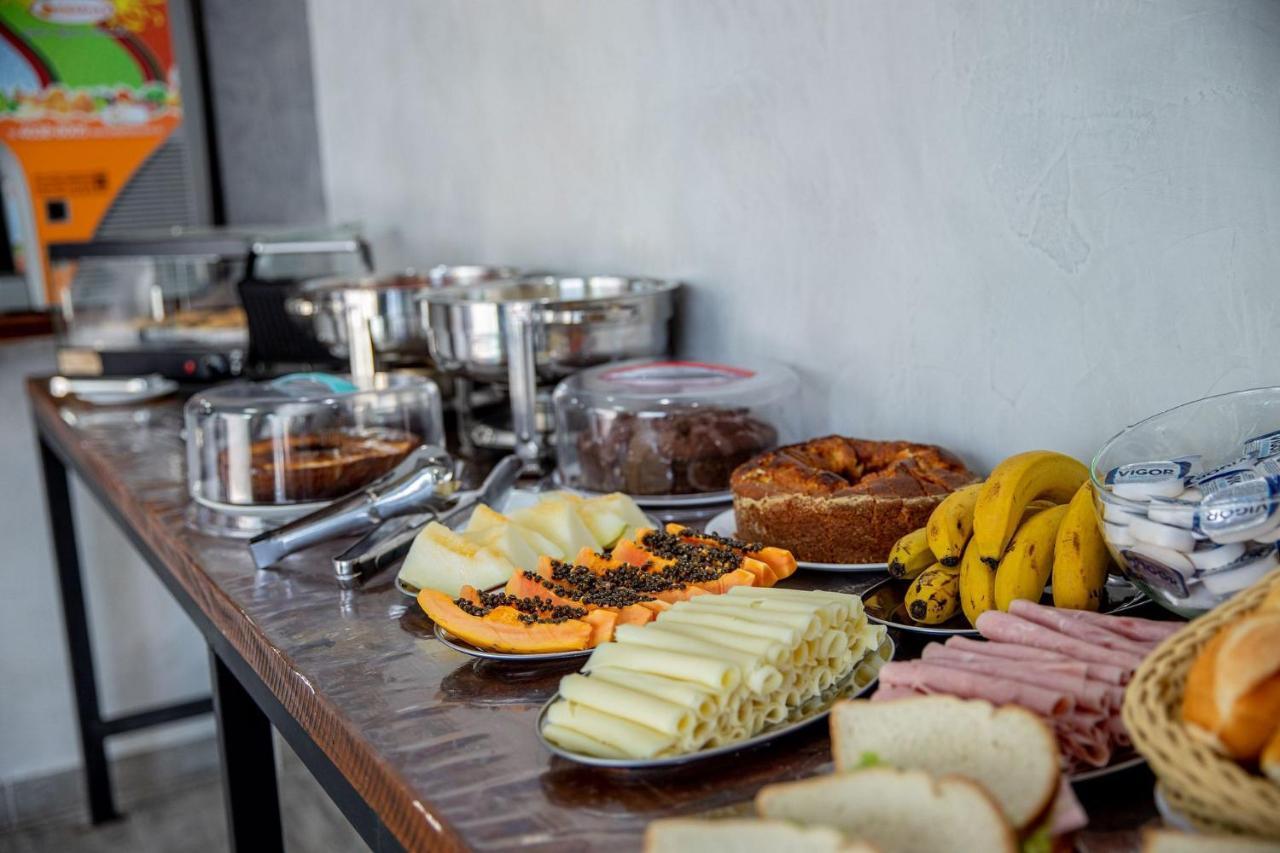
(1189, 499)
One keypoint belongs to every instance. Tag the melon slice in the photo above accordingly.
(485, 520)
(442, 560)
(611, 517)
(507, 540)
(558, 521)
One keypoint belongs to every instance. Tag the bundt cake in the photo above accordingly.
(842, 500)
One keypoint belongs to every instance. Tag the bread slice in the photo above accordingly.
(899, 811)
(1172, 841)
(745, 835)
(1010, 751)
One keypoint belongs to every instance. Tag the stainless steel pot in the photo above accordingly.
(380, 313)
(543, 328)
(575, 322)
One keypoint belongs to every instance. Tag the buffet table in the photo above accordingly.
(421, 747)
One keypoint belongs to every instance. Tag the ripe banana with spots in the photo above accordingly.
(978, 580)
(1080, 556)
(910, 555)
(1026, 566)
(951, 524)
(934, 596)
(1016, 482)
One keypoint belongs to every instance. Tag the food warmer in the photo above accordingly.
(262, 453)
(541, 328)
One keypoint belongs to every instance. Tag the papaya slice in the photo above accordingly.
(781, 561)
(502, 629)
(627, 551)
(602, 623)
(636, 614)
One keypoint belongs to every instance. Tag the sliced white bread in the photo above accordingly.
(1173, 841)
(899, 811)
(745, 835)
(1010, 751)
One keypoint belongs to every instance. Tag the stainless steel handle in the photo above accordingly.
(523, 382)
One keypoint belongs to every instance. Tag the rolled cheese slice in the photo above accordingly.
(657, 714)
(831, 644)
(828, 614)
(704, 703)
(656, 636)
(706, 619)
(808, 625)
(632, 740)
(575, 741)
(716, 674)
(772, 651)
(851, 605)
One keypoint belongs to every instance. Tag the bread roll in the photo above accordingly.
(1234, 705)
(1271, 758)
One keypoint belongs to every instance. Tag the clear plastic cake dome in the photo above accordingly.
(669, 429)
(259, 453)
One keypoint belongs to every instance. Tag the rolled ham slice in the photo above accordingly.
(1144, 630)
(1067, 815)
(1010, 651)
(1088, 745)
(884, 693)
(1008, 628)
(1067, 678)
(1089, 632)
(933, 678)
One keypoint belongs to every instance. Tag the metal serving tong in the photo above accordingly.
(422, 481)
(391, 540)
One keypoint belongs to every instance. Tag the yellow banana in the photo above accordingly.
(1014, 483)
(1025, 568)
(910, 555)
(977, 585)
(934, 596)
(978, 580)
(1080, 556)
(951, 524)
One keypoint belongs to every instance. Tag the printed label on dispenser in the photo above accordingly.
(1237, 508)
(1157, 471)
(1263, 446)
(1142, 567)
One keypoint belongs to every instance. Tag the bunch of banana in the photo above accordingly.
(991, 543)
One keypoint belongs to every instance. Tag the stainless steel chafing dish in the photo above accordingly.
(378, 316)
(544, 327)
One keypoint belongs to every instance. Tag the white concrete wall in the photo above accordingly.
(996, 225)
(147, 651)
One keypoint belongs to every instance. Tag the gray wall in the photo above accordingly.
(996, 225)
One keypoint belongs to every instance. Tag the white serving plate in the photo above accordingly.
(725, 525)
(812, 711)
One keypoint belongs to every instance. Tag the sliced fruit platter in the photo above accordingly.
(575, 605)
(1028, 532)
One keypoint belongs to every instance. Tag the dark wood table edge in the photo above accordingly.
(319, 742)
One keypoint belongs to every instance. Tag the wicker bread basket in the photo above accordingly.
(1213, 791)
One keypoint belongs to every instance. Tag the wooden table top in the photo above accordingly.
(440, 745)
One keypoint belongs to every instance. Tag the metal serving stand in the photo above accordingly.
(543, 328)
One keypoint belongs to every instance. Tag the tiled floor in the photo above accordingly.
(191, 819)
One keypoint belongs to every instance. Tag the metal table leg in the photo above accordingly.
(248, 765)
(76, 624)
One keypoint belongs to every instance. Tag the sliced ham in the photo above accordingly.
(1090, 747)
(1011, 651)
(1067, 678)
(1007, 628)
(1144, 630)
(884, 693)
(1081, 629)
(1067, 815)
(932, 678)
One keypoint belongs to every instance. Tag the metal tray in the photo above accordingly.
(812, 711)
(883, 604)
(506, 657)
(726, 525)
